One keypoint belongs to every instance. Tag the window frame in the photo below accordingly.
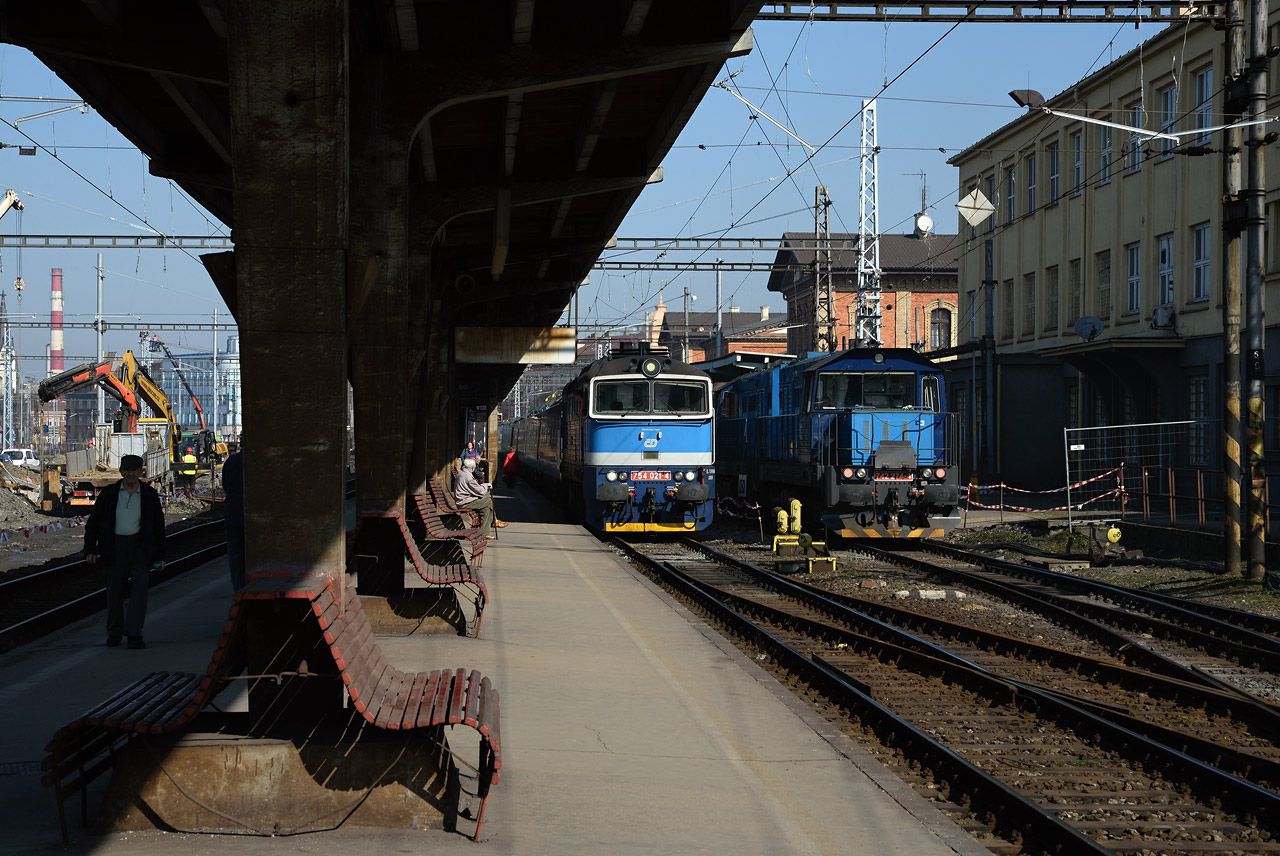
(1030, 168)
(1168, 96)
(1077, 161)
(1202, 86)
(1133, 150)
(1051, 150)
(1133, 278)
(1165, 284)
(1201, 262)
(1106, 141)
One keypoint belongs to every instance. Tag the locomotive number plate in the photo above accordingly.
(895, 475)
(651, 475)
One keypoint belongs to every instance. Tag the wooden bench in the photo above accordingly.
(384, 696)
(160, 703)
(443, 563)
(436, 525)
(444, 502)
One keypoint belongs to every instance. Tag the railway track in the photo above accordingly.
(1197, 642)
(40, 602)
(1036, 750)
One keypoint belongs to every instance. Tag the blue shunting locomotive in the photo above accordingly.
(629, 446)
(861, 436)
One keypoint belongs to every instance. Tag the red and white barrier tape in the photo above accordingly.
(1076, 486)
(973, 503)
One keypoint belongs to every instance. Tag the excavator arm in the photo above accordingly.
(177, 369)
(93, 374)
(135, 377)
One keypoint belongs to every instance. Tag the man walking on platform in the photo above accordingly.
(125, 532)
(474, 494)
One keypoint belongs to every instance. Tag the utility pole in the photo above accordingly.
(1232, 221)
(866, 327)
(97, 326)
(1255, 286)
(989, 366)
(214, 362)
(687, 298)
(824, 329)
(719, 307)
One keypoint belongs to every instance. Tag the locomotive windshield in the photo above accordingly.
(673, 396)
(841, 390)
(625, 397)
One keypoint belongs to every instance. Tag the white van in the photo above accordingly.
(21, 457)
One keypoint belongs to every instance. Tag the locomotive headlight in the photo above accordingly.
(622, 476)
(650, 367)
(940, 473)
(611, 476)
(677, 476)
(861, 472)
(847, 473)
(690, 475)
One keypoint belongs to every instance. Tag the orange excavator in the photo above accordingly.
(90, 374)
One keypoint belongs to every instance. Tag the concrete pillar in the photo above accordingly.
(379, 320)
(289, 117)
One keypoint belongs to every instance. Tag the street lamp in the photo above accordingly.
(1033, 100)
(687, 297)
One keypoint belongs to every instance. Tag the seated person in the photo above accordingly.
(472, 493)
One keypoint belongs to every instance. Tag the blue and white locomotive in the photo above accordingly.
(629, 445)
(861, 436)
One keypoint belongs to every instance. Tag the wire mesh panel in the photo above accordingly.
(1107, 464)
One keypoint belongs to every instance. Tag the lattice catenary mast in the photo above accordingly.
(824, 326)
(8, 377)
(867, 308)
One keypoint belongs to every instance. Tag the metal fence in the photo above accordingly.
(1107, 464)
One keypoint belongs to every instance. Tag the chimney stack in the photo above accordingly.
(57, 354)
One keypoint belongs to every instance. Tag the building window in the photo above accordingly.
(1200, 255)
(940, 329)
(1077, 161)
(1198, 412)
(1104, 152)
(1009, 300)
(1133, 281)
(1073, 291)
(1164, 269)
(1168, 115)
(1028, 304)
(991, 197)
(1102, 272)
(1030, 162)
(1010, 193)
(1133, 151)
(1052, 151)
(1051, 298)
(1204, 101)
(973, 314)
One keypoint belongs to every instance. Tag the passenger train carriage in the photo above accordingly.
(862, 437)
(629, 445)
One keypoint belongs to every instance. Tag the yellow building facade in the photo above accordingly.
(1106, 251)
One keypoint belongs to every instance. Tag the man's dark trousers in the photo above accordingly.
(127, 573)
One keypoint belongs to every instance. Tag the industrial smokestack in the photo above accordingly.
(56, 351)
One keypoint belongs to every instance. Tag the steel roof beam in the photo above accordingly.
(985, 11)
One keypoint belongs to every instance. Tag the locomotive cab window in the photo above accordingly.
(842, 390)
(679, 396)
(622, 396)
(929, 393)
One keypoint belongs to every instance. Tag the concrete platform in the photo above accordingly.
(628, 725)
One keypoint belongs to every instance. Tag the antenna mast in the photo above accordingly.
(867, 311)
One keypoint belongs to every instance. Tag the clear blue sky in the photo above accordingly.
(951, 98)
(954, 96)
